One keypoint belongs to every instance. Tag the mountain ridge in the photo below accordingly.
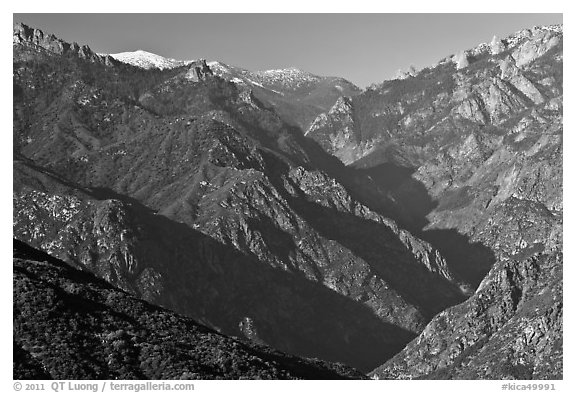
(147, 60)
(205, 188)
(495, 46)
(227, 180)
(482, 133)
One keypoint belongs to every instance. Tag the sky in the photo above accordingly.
(363, 48)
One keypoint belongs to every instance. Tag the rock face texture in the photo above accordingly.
(27, 36)
(510, 329)
(483, 141)
(344, 140)
(416, 110)
(436, 253)
(198, 71)
(193, 194)
(68, 324)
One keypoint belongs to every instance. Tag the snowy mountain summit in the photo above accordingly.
(286, 77)
(147, 60)
(279, 81)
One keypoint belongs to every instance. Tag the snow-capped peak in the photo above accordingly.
(147, 60)
(289, 70)
(220, 68)
(287, 77)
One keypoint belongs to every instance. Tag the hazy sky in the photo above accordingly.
(364, 48)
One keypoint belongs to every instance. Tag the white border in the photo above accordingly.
(356, 6)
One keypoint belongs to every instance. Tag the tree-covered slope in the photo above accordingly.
(68, 324)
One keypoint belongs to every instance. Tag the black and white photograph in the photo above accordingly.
(278, 196)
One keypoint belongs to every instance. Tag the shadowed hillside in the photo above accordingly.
(68, 324)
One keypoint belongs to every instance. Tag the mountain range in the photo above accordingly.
(297, 96)
(409, 230)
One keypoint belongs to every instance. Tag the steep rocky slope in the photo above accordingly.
(194, 194)
(481, 135)
(482, 142)
(35, 38)
(68, 324)
(406, 121)
(510, 329)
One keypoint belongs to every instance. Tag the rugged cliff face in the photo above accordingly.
(194, 194)
(484, 140)
(510, 329)
(481, 134)
(408, 121)
(68, 324)
(35, 38)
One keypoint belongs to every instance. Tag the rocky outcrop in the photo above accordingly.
(496, 46)
(344, 142)
(496, 86)
(510, 329)
(23, 34)
(538, 43)
(461, 60)
(511, 73)
(28, 36)
(337, 133)
(198, 71)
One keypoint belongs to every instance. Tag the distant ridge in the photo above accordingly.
(147, 60)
